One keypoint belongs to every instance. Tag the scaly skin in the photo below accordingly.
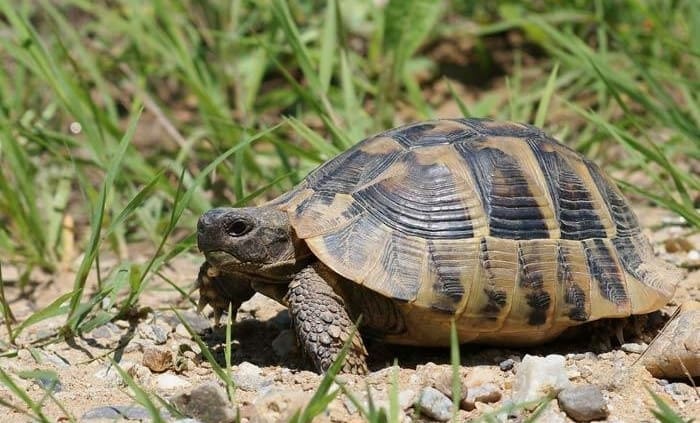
(322, 323)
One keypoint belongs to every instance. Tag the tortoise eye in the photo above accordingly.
(238, 227)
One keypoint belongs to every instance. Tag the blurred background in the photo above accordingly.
(121, 121)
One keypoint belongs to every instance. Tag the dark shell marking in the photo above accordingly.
(494, 223)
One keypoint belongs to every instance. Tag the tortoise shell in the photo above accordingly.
(494, 224)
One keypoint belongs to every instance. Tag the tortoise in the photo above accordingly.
(493, 225)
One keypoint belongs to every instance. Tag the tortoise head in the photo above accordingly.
(254, 241)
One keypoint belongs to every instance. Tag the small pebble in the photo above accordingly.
(279, 405)
(442, 380)
(49, 383)
(157, 359)
(486, 393)
(109, 374)
(406, 398)
(583, 403)
(537, 377)
(55, 359)
(140, 374)
(196, 321)
(435, 404)
(169, 382)
(506, 365)
(207, 403)
(634, 348)
(552, 414)
(248, 377)
(117, 412)
(680, 389)
(678, 244)
(158, 333)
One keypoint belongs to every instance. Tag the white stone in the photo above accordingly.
(169, 382)
(537, 377)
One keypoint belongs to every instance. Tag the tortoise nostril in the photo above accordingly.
(210, 218)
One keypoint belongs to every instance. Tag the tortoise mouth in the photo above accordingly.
(221, 259)
(223, 263)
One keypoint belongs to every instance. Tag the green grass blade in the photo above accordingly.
(462, 107)
(543, 107)
(206, 352)
(140, 395)
(663, 412)
(96, 222)
(20, 393)
(56, 308)
(329, 45)
(456, 378)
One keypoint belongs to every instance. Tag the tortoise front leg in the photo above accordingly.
(322, 323)
(218, 291)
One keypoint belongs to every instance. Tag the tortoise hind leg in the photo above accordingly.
(322, 323)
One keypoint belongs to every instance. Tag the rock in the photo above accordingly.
(479, 375)
(55, 359)
(537, 377)
(280, 405)
(680, 390)
(633, 348)
(48, 382)
(196, 321)
(677, 245)
(552, 414)
(207, 403)
(158, 333)
(583, 403)
(248, 377)
(157, 359)
(442, 380)
(506, 365)
(435, 404)
(169, 382)
(486, 393)
(676, 350)
(117, 412)
(381, 402)
(109, 374)
(140, 374)
(285, 343)
(406, 398)
(105, 335)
